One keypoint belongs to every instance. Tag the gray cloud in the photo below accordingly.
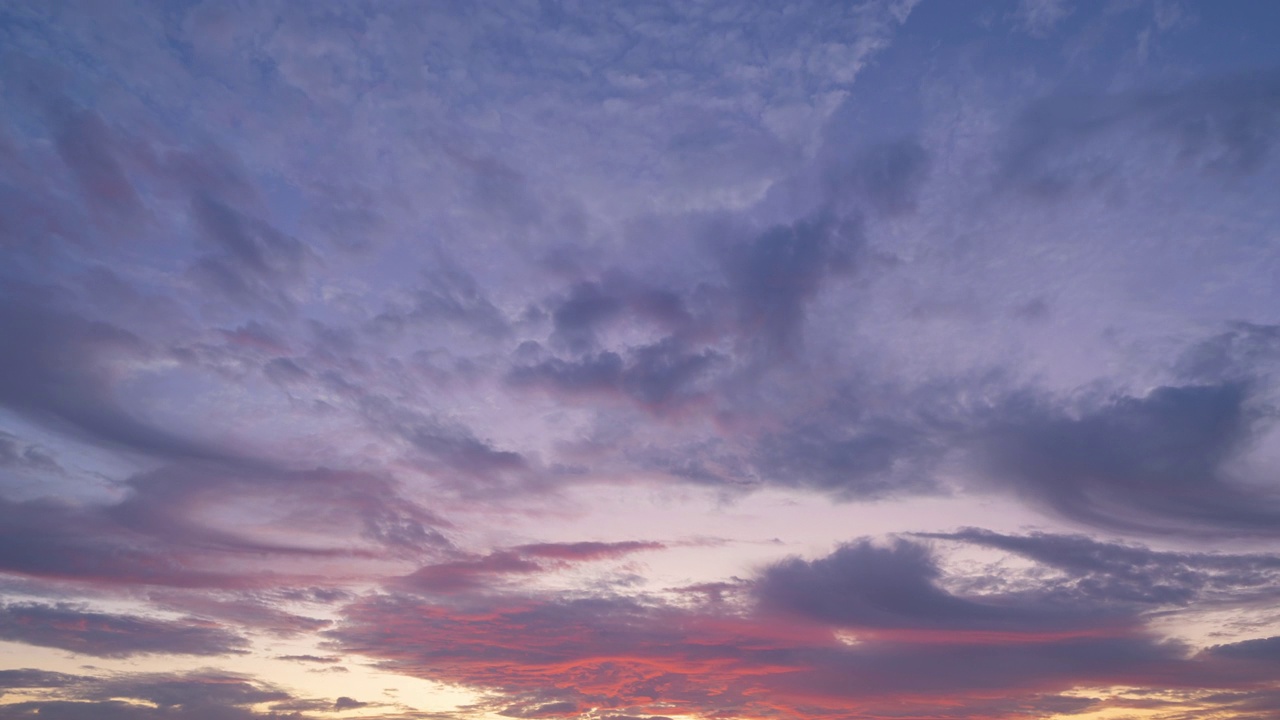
(104, 635)
(659, 377)
(1157, 463)
(31, 678)
(1261, 649)
(896, 587)
(886, 177)
(198, 695)
(253, 262)
(58, 368)
(775, 275)
(1134, 576)
(1225, 124)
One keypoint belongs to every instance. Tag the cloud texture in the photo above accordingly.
(881, 359)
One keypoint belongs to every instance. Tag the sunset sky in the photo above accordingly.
(690, 360)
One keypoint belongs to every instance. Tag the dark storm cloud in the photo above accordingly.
(1226, 124)
(104, 635)
(1157, 463)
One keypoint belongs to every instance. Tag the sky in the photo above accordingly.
(698, 360)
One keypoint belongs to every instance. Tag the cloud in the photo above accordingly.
(456, 273)
(197, 695)
(252, 261)
(161, 532)
(586, 550)
(114, 636)
(873, 588)
(591, 307)
(1262, 649)
(488, 572)
(1243, 353)
(89, 149)
(775, 275)
(449, 295)
(843, 451)
(446, 448)
(165, 502)
(27, 678)
(53, 539)
(1225, 125)
(261, 610)
(1038, 17)
(884, 177)
(346, 703)
(1158, 463)
(1133, 576)
(323, 660)
(868, 629)
(61, 369)
(19, 455)
(660, 377)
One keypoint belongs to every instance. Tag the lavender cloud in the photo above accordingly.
(911, 638)
(105, 635)
(1145, 463)
(373, 333)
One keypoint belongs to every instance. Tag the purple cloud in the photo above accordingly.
(103, 635)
